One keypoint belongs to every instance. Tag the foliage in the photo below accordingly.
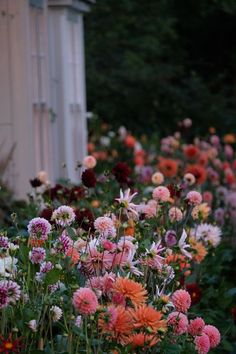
(151, 61)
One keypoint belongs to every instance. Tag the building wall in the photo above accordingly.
(42, 90)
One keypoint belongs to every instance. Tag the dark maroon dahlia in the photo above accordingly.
(195, 292)
(35, 182)
(89, 178)
(121, 171)
(85, 219)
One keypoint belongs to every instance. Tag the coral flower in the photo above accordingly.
(147, 317)
(198, 171)
(85, 301)
(181, 300)
(73, 254)
(142, 340)
(168, 167)
(191, 151)
(131, 290)
(117, 325)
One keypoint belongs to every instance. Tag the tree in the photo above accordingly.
(150, 63)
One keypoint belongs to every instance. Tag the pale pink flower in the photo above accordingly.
(152, 257)
(85, 301)
(32, 324)
(183, 245)
(196, 326)
(181, 300)
(125, 201)
(157, 178)
(89, 161)
(78, 321)
(105, 226)
(187, 122)
(213, 334)
(194, 198)
(43, 177)
(175, 214)
(202, 344)
(56, 313)
(178, 321)
(63, 216)
(102, 283)
(189, 178)
(127, 246)
(161, 194)
(149, 209)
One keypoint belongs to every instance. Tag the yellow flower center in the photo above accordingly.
(8, 345)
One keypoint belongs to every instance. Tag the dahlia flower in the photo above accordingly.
(63, 216)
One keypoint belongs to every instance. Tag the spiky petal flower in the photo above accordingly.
(183, 245)
(131, 290)
(125, 201)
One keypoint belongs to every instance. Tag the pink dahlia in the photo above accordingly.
(202, 344)
(4, 299)
(175, 214)
(213, 334)
(39, 228)
(37, 255)
(89, 161)
(85, 301)
(196, 326)
(105, 226)
(194, 198)
(178, 321)
(63, 216)
(181, 300)
(161, 194)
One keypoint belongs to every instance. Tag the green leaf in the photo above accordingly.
(53, 276)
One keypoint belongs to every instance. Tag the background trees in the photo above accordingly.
(152, 62)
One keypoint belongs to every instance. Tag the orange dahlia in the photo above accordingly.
(130, 290)
(142, 340)
(147, 317)
(116, 323)
(168, 167)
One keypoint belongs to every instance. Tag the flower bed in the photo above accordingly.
(118, 263)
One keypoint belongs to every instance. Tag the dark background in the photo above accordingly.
(151, 63)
